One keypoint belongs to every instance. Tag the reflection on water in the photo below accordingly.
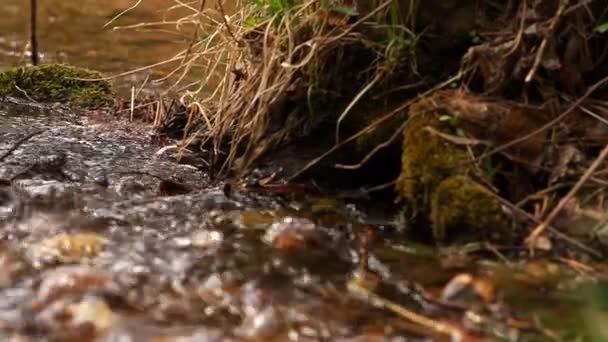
(72, 31)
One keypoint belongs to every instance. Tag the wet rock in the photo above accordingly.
(260, 319)
(292, 233)
(261, 324)
(72, 280)
(93, 310)
(254, 219)
(56, 83)
(9, 204)
(56, 319)
(12, 265)
(70, 248)
(135, 187)
(134, 331)
(100, 177)
(44, 191)
(467, 291)
(201, 239)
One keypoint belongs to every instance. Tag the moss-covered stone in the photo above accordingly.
(426, 159)
(463, 209)
(56, 83)
(434, 184)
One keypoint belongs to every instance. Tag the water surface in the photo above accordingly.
(73, 32)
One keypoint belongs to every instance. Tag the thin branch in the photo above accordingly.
(19, 143)
(543, 45)
(33, 34)
(122, 13)
(373, 125)
(531, 239)
(549, 124)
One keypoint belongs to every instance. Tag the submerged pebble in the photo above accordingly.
(71, 280)
(12, 265)
(95, 311)
(261, 324)
(71, 248)
(291, 233)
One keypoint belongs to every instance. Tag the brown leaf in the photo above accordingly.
(566, 155)
(501, 123)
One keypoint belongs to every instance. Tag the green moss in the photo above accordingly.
(426, 159)
(56, 83)
(434, 183)
(460, 206)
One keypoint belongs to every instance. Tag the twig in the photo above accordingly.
(194, 33)
(361, 193)
(549, 124)
(543, 45)
(122, 13)
(33, 35)
(375, 150)
(524, 214)
(368, 87)
(439, 327)
(531, 239)
(19, 143)
(130, 72)
(132, 106)
(223, 13)
(26, 95)
(372, 126)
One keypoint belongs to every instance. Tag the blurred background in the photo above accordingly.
(72, 31)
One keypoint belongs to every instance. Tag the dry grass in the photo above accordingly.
(257, 69)
(256, 64)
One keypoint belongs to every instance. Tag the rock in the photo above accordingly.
(71, 280)
(56, 83)
(293, 234)
(434, 182)
(461, 208)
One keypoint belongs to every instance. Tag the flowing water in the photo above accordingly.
(101, 237)
(75, 32)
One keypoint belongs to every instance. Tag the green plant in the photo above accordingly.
(602, 28)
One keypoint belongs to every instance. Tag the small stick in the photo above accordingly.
(562, 203)
(19, 143)
(543, 45)
(120, 14)
(525, 215)
(132, 111)
(239, 42)
(576, 104)
(33, 39)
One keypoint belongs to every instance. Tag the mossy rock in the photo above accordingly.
(427, 159)
(434, 183)
(56, 83)
(462, 209)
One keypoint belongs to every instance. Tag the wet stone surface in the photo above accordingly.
(91, 249)
(104, 239)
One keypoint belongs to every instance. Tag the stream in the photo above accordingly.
(105, 238)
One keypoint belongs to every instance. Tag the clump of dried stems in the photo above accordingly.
(252, 62)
